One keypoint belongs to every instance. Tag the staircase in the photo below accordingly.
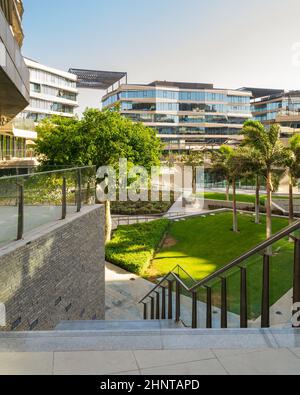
(178, 296)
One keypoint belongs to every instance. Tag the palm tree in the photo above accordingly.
(251, 164)
(225, 162)
(293, 165)
(269, 147)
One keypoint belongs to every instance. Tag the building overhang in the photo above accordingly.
(14, 75)
(26, 134)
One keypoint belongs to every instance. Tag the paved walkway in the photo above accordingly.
(154, 362)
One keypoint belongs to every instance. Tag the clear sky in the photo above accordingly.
(230, 43)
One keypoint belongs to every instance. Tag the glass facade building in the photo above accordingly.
(52, 92)
(14, 79)
(186, 116)
(282, 108)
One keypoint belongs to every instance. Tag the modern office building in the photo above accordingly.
(52, 92)
(277, 106)
(187, 116)
(14, 78)
(92, 86)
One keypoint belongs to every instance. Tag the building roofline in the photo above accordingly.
(36, 65)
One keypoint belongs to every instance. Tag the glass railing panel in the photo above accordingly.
(42, 199)
(281, 282)
(9, 193)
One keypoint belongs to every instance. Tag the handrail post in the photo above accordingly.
(177, 312)
(145, 311)
(244, 299)
(20, 212)
(157, 305)
(296, 289)
(152, 308)
(208, 308)
(170, 300)
(224, 322)
(265, 310)
(163, 306)
(194, 311)
(79, 180)
(64, 199)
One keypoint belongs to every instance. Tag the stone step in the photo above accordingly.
(151, 339)
(118, 326)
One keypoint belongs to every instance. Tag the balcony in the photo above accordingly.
(14, 74)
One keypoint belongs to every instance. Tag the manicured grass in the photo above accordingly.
(133, 247)
(242, 198)
(203, 245)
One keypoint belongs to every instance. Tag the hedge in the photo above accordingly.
(133, 247)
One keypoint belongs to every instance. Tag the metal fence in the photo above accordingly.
(29, 201)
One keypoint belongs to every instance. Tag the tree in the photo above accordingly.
(251, 164)
(101, 138)
(293, 165)
(269, 147)
(226, 162)
(219, 159)
(194, 159)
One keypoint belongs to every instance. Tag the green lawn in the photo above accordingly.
(203, 245)
(242, 198)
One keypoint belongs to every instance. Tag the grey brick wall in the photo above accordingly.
(56, 273)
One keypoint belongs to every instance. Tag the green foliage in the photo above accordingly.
(100, 138)
(133, 247)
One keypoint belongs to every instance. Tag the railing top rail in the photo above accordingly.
(260, 248)
(171, 273)
(46, 172)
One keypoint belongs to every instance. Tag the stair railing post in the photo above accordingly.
(157, 305)
(145, 311)
(224, 322)
(163, 306)
(20, 212)
(79, 190)
(265, 309)
(208, 308)
(244, 299)
(64, 199)
(178, 300)
(152, 308)
(170, 299)
(195, 311)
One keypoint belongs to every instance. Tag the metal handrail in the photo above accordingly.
(67, 170)
(261, 247)
(176, 277)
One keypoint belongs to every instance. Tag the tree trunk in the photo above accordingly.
(194, 180)
(257, 201)
(291, 201)
(227, 190)
(235, 215)
(108, 224)
(269, 204)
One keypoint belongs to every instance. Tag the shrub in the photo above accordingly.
(133, 247)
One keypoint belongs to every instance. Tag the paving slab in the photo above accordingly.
(26, 363)
(93, 363)
(270, 362)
